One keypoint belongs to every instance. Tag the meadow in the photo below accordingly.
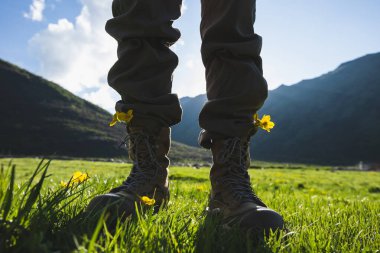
(325, 210)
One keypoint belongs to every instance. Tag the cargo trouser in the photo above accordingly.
(230, 52)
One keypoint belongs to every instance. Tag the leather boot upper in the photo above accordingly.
(230, 181)
(149, 174)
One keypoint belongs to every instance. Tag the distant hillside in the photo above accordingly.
(332, 119)
(41, 118)
(187, 131)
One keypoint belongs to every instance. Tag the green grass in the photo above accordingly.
(325, 211)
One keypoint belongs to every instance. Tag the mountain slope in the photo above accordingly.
(41, 118)
(187, 131)
(332, 119)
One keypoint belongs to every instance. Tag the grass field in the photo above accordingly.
(324, 210)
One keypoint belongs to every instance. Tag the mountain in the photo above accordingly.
(40, 118)
(333, 119)
(187, 131)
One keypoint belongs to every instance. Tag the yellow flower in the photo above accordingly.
(77, 177)
(147, 201)
(201, 188)
(63, 184)
(122, 117)
(264, 123)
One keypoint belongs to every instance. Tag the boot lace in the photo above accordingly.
(235, 155)
(143, 153)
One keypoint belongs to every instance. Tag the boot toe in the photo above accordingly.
(262, 220)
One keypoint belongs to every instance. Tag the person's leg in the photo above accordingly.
(143, 77)
(143, 73)
(230, 50)
(236, 89)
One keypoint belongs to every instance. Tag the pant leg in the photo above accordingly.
(143, 72)
(230, 51)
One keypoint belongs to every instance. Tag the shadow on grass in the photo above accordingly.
(188, 178)
(213, 237)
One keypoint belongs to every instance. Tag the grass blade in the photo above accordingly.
(7, 202)
(33, 196)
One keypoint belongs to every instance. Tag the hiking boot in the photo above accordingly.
(148, 176)
(232, 195)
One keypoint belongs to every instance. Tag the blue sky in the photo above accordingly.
(65, 41)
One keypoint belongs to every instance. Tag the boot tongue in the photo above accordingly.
(232, 151)
(232, 171)
(135, 130)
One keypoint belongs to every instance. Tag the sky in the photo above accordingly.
(65, 41)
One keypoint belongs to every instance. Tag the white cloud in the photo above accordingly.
(183, 7)
(36, 10)
(190, 64)
(179, 44)
(63, 25)
(78, 55)
(103, 97)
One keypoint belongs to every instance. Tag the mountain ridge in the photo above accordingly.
(313, 118)
(42, 118)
